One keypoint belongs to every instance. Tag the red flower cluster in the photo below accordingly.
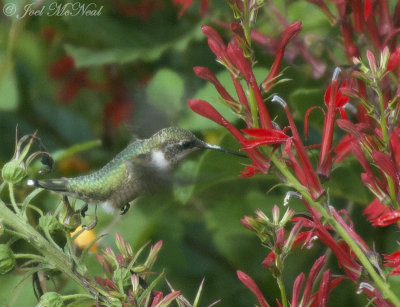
(374, 139)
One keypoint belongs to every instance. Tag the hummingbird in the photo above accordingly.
(132, 171)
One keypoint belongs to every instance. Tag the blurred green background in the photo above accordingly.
(126, 73)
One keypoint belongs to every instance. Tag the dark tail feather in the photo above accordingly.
(58, 185)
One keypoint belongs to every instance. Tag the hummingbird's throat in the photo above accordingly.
(158, 159)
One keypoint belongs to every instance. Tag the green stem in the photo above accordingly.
(246, 22)
(279, 279)
(379, 282)
(52, 255)
(253, 108)
(385, 138)
(12, 198)
(30, 256)
(75, 296)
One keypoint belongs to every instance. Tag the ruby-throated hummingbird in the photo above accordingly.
(130, 173)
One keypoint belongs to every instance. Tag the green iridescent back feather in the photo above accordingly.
(100, 184)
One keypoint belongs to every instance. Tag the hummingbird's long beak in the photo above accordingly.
(215, 147)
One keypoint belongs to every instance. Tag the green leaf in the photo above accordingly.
(8, 89)
(148, 290)
(192, 121)
(187, 171)
(165, 91)
(345, 182)
(71, 126)
(124, 44)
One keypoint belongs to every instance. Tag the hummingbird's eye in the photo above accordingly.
(187, 144)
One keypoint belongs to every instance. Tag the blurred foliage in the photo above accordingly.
(131, 74)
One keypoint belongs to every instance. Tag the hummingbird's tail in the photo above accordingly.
(57, 185)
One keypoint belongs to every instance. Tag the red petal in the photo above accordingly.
(393, 259)
(375, 209)
(260, 132)
(367, 8)
(387, 219)
(249, 283)
(315, 269)
(269, 261)
(297, 286)
(394, 60)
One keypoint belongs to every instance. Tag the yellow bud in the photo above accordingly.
(85, 238)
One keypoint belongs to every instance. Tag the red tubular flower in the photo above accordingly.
(237, 58)
(387, 219)
(241, 96)
(250, 171)
(350, 230)
(206, 74)
(394, 60)
(310, 177)
(157, 297)
(297, 286)
(393, 260)
(395, 146)
(374, 34)
(386, 164)
(289, 34)
(345, 260)
(347, 33)
(315, 269)
(264, 137)
(249, 283)
(356, 7)
(324, 290)
(367, 8)
(343, 148)
(206, 110)
(334, 100)
(269, 261)
(375, 209)
(186, 3)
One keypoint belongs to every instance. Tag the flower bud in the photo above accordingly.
(49, 223)
(12, 172)
(51, 299)
(7, 259)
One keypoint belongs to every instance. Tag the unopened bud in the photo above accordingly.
(12, 172)
(51, 299)
(7, 259)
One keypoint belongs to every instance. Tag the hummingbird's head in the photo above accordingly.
(172, 144)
